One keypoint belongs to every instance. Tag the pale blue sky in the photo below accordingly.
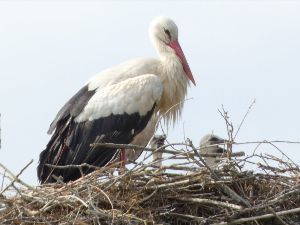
(237, 50)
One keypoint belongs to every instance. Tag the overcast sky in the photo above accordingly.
(238, 51)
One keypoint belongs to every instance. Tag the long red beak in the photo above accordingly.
(177, 48)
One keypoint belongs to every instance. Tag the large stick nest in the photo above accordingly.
(185, 192)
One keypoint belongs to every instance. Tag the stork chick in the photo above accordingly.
(156, 142)
(209, 144)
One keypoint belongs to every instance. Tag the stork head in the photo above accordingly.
(209, 144)
(164, 29)
(158, 140)
(211, 139)
(164, 33)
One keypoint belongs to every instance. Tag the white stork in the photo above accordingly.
(210, 144)
(116, 105)
(157, 142)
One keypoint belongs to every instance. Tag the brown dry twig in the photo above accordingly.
(185, 192)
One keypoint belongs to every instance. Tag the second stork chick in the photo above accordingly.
(210, 143)
(157, 142)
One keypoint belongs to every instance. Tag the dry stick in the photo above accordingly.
(176, 153)
(277, 170)
(139, 147)
(244, 118)
(136, 147)
(3, 178)
(276, 159)
(151, 163)
(69, 197)
(279, 199)
(295, 191)
(283, 154)
(15, 178)
(265, 216)
(266, 142)
(73, 166)
(229, 128)
(56, 201)
(112, 217)
(98, 212)
(110, 202)
(174, 167)
(195, 218)
(147, 198)
(77, 214)
(277, 216)
(147, 157)
(135, 168)
(225, 188)
(0, 131)
(167, 185)
(210, 202)
(22, 170)
(48, 205)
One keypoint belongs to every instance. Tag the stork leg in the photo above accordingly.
(122, 158)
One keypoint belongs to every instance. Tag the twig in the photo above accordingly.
(128, 147)
(145, 194)
(229, 128)
(244, 118)
(81, 166)
(225, 188)
(15, 178)
(284, 196)
(210, 202)
(266, 142)
(195, 218)
(277, 216)
(265, 216)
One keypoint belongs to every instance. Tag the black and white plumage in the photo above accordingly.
(116, 106)
(210, 144)
(156, 143)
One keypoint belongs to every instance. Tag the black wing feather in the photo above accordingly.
(73, 107)
(70, 143)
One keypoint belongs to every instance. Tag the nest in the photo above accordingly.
(185, 192)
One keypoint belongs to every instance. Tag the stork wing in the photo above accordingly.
(119, 73)
(115, 114)
(73, 107)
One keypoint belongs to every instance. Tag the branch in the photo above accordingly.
(16, 178)
(225, 188)
(265, 216)
(210, 202)
(128, 147)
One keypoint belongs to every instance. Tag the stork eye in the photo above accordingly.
(214, 139)
(168, 33)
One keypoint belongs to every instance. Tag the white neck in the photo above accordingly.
(174, 80)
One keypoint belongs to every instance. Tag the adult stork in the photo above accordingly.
(116, 105)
